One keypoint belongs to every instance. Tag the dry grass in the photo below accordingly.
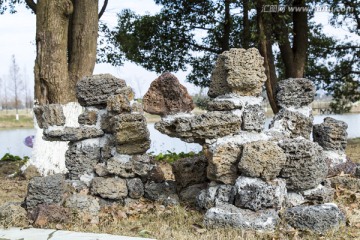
(353, 149)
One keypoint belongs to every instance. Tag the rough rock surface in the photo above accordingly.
(304, 168)
(223, 160)
(255, 194)
(45, 190)
(30, 172)
(227, 215)
(294, 199)
(190, 171)
(72, 134)
(120, 165)
(45, 214)
(81, 158)
(263, 159)
(331, 134)
(222, 105)
(135, 187)
(198, 128)
(294, 124)
(320, 194)
(190, 194)
(295, 92)
(215, 195)
(89, 117)
(253, 118)
(49, 115)
(95, 90)
(317, 218)
(87, 206)
(160, 191)
(238, 71)
(131, 134)
(12, 213)
(119, 103)
(111, 188)
(167, 96)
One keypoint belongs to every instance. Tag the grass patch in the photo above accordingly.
(353, 149)
(8, 119)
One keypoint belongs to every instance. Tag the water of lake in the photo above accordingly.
(12, 140)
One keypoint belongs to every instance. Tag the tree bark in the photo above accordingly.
(51, 71)
(83, 33)
(246, 25)
(265, 48)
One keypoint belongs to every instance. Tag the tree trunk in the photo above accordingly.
(265, 48)
(51, 69)
(246, 25)
(83, 33)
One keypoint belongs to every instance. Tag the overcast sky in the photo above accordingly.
(18, 34)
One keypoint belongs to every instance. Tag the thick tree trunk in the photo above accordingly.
(265, 48)
(83, 33)
(51, 69)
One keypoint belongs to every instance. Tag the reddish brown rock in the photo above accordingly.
(45, 214)
(167, 96)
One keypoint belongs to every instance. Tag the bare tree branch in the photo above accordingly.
(103, 8)
(31, 4)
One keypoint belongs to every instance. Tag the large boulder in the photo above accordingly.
(318, 218)
(81, 158)
(208, 125)
(331, 134)
(95, 90)
(255, 194)
(167, 96)
(292, 123)
(227, 215)
(111, 188)
(72, 133)
(305, 168)
(190, 171)
(45, 190)
(49, 115)
(295, 92)
(238, 71)
(263, 159)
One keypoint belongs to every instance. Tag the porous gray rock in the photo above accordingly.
(227, 215)
(45, 190)
(293, 124)
(318, 218)
(253, 118)
(111, 188)
(222, 105)
(160, 191)
(96, 89)
(81, 158)
(137, 107)
(215, 195)
(142, 165)
(49, 115)
(255, 194)
(100, 170)
(190, 171)
(166, 96)
(263, 159)
(238, 71)
(305, 168)
(87, 206)
(135, 188)
(294, 199)
(320, 194)
(222, 162)
(88, 117)
(120, 165)
(189, 195)
(72, 133)
(331, 134)
(295, 92)
(197, 128)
